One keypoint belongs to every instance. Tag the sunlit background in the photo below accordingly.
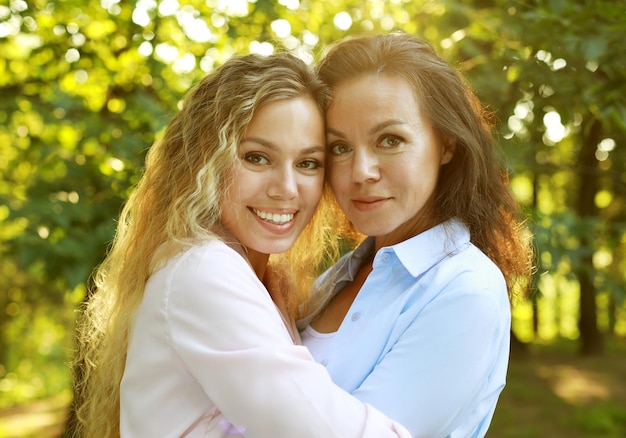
(87, 86)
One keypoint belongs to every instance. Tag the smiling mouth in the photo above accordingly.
(366, 204)
(274, 218)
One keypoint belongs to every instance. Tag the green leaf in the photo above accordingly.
(594, 48)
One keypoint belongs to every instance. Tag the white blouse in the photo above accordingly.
(316, 342)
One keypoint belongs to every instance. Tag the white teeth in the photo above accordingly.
(275, 218)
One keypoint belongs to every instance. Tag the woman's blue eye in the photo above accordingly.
(255, 158)
(339, 149)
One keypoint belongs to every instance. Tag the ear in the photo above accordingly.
(447, 150)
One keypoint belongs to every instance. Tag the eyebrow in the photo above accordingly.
(377, 128)
(269, 145)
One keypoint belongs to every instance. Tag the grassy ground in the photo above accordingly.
(555, 393)
(551, 392)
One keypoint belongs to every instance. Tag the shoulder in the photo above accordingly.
(474, 282)
(209, 265)
(213, 254)
(211, 275)
(472, 264)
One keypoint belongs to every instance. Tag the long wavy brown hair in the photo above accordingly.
(473, 187)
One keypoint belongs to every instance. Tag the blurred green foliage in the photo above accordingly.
(86, 87)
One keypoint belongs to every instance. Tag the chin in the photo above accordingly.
(274, 248)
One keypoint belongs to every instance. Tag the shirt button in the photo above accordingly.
(324, 362)
(356, 315)
(386, 257)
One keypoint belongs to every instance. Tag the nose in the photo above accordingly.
(284, 184)
(365, 166)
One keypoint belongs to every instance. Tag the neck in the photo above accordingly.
(417, 225)
(258, 261)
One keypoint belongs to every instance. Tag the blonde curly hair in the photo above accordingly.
(176, 205)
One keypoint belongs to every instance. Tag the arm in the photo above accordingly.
(225, 328)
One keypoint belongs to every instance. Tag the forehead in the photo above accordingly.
(292, 107)
(293, 123)
(373, 96)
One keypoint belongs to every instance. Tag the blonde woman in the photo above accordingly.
(181, 337)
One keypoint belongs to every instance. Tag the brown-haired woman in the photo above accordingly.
(416, 320)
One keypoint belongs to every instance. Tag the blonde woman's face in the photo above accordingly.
(277, 181)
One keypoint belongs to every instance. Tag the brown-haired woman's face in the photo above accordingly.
(384, 157)
(277, 181)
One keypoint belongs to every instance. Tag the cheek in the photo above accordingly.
(337, 177)
(233, 182)
(311, 189)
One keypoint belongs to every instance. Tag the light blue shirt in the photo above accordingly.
(426, 340)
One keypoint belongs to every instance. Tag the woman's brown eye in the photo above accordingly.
(339, 149)
(390, 141)
(255, 158)
(310, 164)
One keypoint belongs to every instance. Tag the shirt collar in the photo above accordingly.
(417, 255)
(420, 253)
(358, 256)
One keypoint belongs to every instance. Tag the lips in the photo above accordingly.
(274, 218)
(369, 202)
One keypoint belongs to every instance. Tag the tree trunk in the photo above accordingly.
(519, 349)
(535, 319)
(590, 338)
(612, 313)
(534, 286)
